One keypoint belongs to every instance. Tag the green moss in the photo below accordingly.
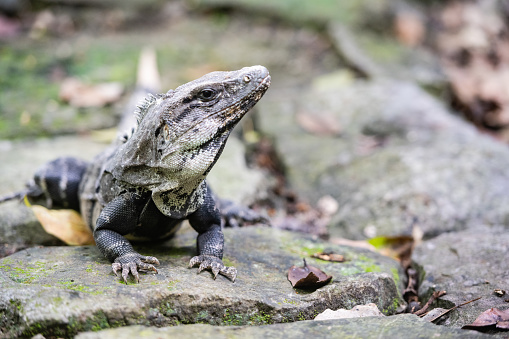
(57, 300)
(371, 268)
(167, 309)
(310, 250)
(367, 264)
(96, 322)
(260, 318)
(228, 262)
(27, 274)
(90, 269)
(235, 319)
(392, 308)
(73, 286)
(350, 270)
(232, 319)
(172, 284)
(292, 302)
(303, 247)
(395, 276)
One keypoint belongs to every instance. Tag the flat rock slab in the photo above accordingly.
(400, 326)
(468, 265)
(64, 290)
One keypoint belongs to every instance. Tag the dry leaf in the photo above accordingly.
(399, 248)
(409, 28)
(307, 277)
(490, 318)
(79, 94)
(353, 243)
(66, 225)
(499, 292)
(320, 124)
(329, 256)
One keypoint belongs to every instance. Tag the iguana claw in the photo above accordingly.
(215, 265)
(131, 262)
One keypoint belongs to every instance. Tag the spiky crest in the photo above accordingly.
(142, 108)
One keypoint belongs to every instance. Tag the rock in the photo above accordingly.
(369, 310)
(364, 52)
(63, 290)
(401, 161)
(468, 264)
(400, 326)
(353, 12)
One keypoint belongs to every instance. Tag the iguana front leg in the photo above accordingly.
(117, 219)
(210, 242)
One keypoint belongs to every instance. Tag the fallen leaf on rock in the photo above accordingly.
(79, 94)
(359, 311)
(307, 277)
(499, 292)
(399, 248)
(492, 318)
(325, 124)
(66, 225)
(353, 243)
(329, 256)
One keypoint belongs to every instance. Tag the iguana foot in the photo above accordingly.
(131, 262)
(215, 265)
(235, 215)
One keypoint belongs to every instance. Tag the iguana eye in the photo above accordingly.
(207, 94)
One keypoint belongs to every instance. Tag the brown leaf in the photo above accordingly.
(79, 94)
(307, 277)
(409, 28)
(353, 243)
(398, 247)
(329, 256)
(66, 225)
(320, 124)
(490, 318)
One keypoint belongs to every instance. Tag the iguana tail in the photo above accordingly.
(55, 184)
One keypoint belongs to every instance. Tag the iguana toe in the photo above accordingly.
(131, 263)
(215, 265)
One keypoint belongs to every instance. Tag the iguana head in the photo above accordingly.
(181, 134)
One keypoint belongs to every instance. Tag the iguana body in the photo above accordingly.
(152, 180)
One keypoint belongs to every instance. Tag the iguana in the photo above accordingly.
(152, 179)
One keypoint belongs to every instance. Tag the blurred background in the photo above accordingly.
(456, 50)
(361, 89)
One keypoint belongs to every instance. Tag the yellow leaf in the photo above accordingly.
(66, 225)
